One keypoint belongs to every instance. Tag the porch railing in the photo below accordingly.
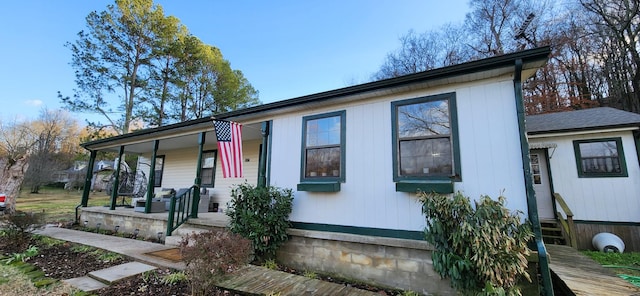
(566, 220)
(180, 209)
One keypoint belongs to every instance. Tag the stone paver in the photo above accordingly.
(85, 283)
(119, 272)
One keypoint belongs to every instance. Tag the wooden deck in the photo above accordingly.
(258, 280)
(576, 274)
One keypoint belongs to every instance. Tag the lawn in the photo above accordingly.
(627, 264)
(57, 204)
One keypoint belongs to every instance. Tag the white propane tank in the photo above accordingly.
(608, 243)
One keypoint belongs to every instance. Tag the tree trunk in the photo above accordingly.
(11, 177)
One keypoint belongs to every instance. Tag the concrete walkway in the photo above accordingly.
(136, 249)
(251, 279)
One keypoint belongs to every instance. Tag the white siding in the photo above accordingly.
(596, 199)
(180, 170)
(490, 156)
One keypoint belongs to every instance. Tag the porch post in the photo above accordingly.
(88, 178)
(116, 180)
(198, 181)
(262, 166)
(152, 177)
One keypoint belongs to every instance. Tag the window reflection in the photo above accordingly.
(322, 151)
(424, 139)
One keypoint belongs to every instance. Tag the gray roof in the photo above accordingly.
(587, 119)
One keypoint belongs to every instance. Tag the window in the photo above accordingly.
(600, 158)
(425, 145)
(208, 168)
(323, 144)
(535, 169)
(157, 178)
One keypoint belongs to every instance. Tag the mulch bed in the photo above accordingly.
(60, 262)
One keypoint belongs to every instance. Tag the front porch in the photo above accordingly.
(148, 224)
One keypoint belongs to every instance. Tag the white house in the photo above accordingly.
(590, 158)
(356, 156)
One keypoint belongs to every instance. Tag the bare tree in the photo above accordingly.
(56, 146)
(617, 26)
(422, 52)
(15, 144)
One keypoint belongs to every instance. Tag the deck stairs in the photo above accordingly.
(552, 232)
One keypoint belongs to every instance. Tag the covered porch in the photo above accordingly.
(177, 174)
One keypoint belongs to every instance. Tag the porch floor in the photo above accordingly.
(583, 276)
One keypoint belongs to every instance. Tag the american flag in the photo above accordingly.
(229, 136)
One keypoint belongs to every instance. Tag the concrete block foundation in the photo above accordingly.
(396, 263)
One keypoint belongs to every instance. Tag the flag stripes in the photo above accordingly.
(229, 136)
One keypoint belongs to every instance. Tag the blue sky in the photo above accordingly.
(285, 49)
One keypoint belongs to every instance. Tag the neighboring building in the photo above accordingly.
(356, 156)
(73, 177)
(589, 157)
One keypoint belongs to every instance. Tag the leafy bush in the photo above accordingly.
(209, 256)
(19, 225)
(482, 249)
(261, 214)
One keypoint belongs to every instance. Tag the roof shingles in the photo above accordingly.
(587, 119)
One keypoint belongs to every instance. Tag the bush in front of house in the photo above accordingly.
(482, 249)
(210, 256)
(261, 214)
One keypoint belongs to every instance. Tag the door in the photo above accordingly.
(541, 184)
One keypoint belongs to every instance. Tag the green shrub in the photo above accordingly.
(482, 249)
(261, 214)
(210, 256)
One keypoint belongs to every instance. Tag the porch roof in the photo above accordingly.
(581, 120)
(177, 135)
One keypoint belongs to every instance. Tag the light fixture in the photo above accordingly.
(135, 233)
(159, 236)
(85, 223)
(116, 228)
(98, 227)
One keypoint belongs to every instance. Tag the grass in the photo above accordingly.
(620, 260)
(57, 204)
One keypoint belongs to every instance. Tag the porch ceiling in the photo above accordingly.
(173, 139)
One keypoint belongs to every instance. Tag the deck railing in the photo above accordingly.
(180, 209)
(566, 220)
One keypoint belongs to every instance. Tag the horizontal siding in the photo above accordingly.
(596, 199)
(490, 156)
(180, 170)
(221, 193)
